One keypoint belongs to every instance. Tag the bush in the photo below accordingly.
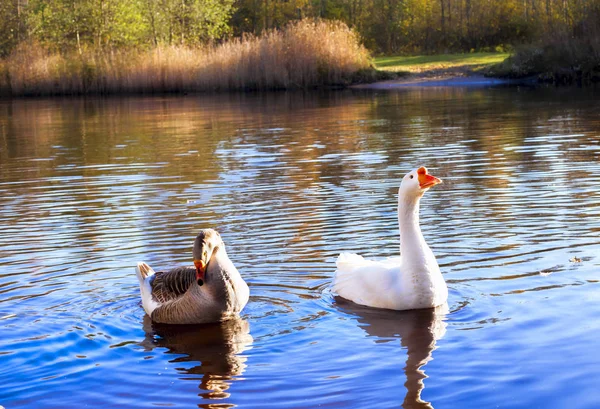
(563, 57)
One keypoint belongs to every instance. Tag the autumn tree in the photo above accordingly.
(385, 26)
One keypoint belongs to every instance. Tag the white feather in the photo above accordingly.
(145, 288)
(410, 281)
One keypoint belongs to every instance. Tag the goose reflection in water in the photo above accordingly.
(418, 331)
(215, 347)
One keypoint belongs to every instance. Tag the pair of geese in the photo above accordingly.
(213, 290)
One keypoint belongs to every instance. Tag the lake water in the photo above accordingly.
(88, 187)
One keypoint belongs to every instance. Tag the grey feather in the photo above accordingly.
(174, 296)
(170, 285)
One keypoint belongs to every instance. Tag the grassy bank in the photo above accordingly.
(439, 62)
(304, 54)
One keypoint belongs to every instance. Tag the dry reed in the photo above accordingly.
(304, 54)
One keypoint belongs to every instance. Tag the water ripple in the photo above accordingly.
(89, 187)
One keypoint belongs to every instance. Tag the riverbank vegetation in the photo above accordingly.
(385, 26)
(105, 46)
(302, 55)
(394, 27)
(563, 58)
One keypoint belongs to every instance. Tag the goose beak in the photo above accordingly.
(200, 271)
(426, 180)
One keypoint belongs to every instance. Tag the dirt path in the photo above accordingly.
(458, 76)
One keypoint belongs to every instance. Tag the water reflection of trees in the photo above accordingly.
(100, 131)
(418, 332)
(134, 160)
(214, 351)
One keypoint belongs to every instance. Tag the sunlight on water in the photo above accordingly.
(90, 187)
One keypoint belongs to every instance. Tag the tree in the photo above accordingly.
(12, 25)
(188, 21)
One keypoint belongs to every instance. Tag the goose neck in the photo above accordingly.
(408, 220)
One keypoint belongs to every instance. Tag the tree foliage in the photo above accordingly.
(100, 24)
(187, 22)
(393, 26)
(388, 26)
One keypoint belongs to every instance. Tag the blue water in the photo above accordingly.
(88, 187)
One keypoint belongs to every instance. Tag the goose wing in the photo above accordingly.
(170, 285)
(368, 282)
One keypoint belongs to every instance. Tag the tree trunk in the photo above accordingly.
(443, 22)
(101, 25)
(460, 18)
(19, 21)
(468, 17)
(77, 27)
(78, 42)
(182, 22)
(152, 22)
(266, 16)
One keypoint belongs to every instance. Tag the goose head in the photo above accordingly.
(416, 182)
(206, 244)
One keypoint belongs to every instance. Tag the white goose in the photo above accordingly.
(408, 282)
(211, 291)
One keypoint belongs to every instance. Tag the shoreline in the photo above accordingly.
(459, 76)
(475, 81)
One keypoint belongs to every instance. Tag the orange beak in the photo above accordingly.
(426, 180)
(200, 271)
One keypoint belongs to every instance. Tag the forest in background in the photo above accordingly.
(66, 47)
(384, 26)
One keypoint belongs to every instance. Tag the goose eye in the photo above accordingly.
(412, 176)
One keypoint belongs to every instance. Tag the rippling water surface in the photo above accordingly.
(90, 187)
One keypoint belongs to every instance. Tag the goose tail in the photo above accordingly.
(348, 262)
(345, 278)
(143, 271)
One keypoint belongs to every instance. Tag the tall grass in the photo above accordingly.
(303, 54)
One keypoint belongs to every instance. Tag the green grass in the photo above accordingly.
(422, 63)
